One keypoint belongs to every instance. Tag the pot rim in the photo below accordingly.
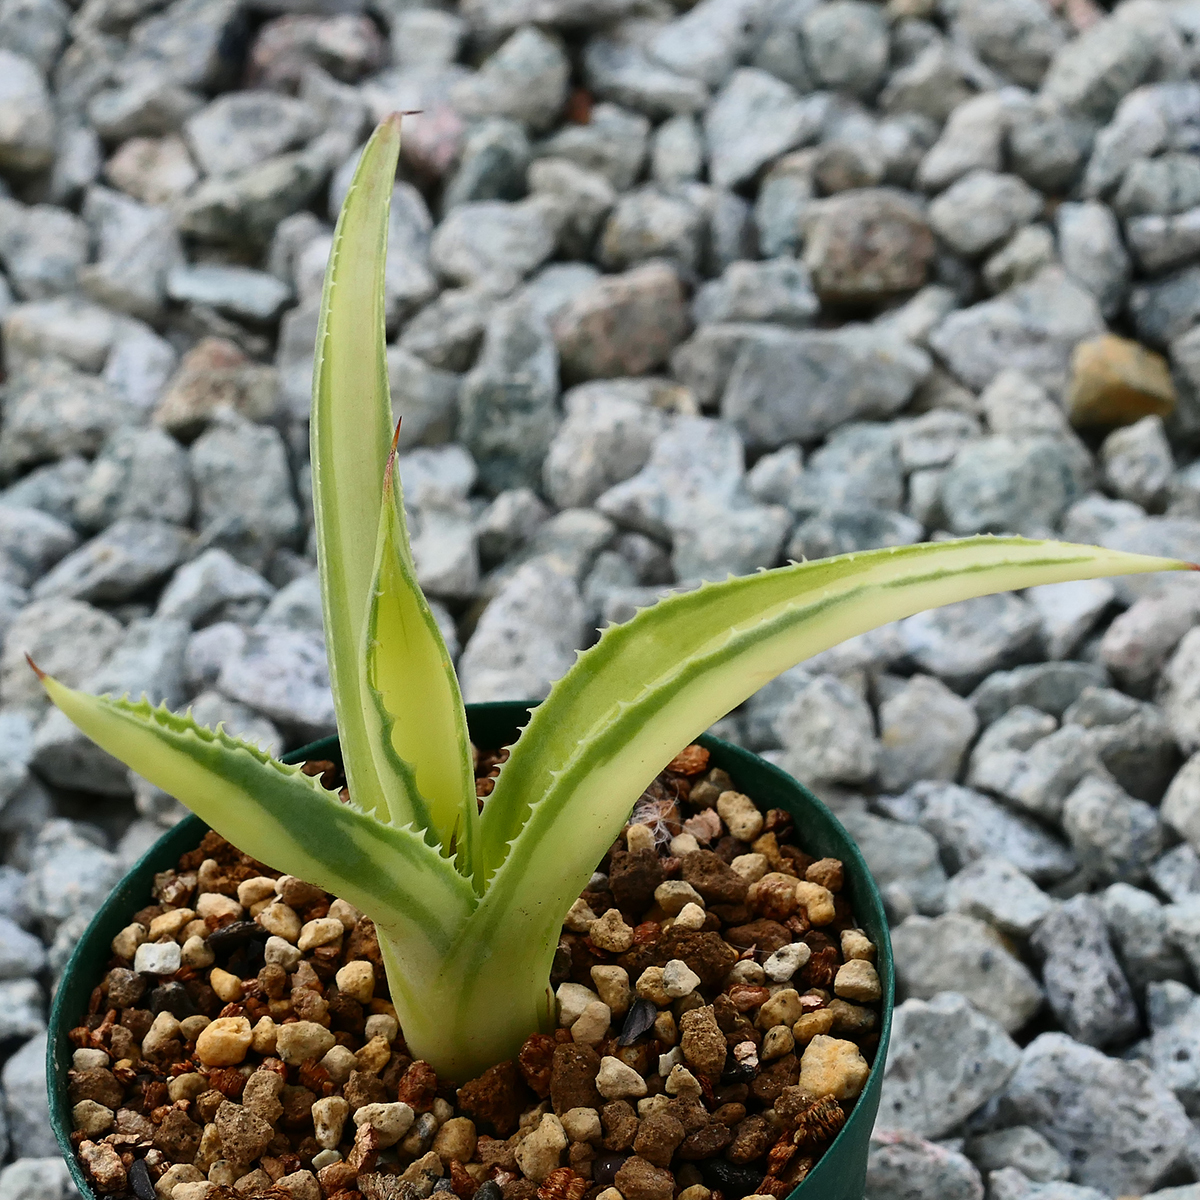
(498, 719)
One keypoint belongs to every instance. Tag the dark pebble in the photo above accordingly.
(489, 1189)
(737, 1072)
(731, 1180)
(444, 1185)
(604, 1168)
(172, 998)
(140, 1181)
(638, 1020)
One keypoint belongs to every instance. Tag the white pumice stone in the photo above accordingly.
(691, 916)
(617, 1080)
(158, 958)
(786, 961)
(678, 979)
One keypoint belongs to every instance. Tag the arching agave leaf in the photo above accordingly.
(651, 685)
(284, 818)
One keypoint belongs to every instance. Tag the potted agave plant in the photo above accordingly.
(380, 1020)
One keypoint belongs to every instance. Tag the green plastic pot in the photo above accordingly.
(841, 1173)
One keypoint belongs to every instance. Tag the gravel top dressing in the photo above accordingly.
(718, 1014)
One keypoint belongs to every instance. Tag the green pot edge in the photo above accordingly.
(841, 1173)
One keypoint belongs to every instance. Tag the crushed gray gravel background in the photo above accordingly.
(672, 292)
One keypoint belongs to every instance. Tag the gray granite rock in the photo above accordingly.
(1137, 462)
(1166, 308)
(1011, 1184)
(964, 642)
(621, 68)
(295, 606)
(1033, 327)
(148, 662)
(1090, 74)
(1020, 258)
(1183, 922)
(586, 197)
(1181, 804)
(778, 291)
(858, 465)
(613, 143)
(507, 404)
(605, 438)
(1066, 1092)
(66, 638)
(1069, 612)
(945, 1061)
(847, 46)
(525, 78)
(69, 873)
(1132, 737)
(973, 136)
(904, 1167)
(677, 155)
(1050, 687)
(137, 247)
(1160, 186)
(1164, 243)
(42, 248)
(138, 474)
(494, 244)
(52, 489)
(244, 491)
(924, 732)
(995, 891)
(21, 954)
(787, 386)
(213, 585)
(1084, 984)
(845, 529)
(26, 115)
(981, 209)
(753, 119)
(1180, 692)
(1089, 243)
(958, 953)
(1016, 37)
(1173, 1049)
(1019, 1148)
(31, 542)
(36, 1179)
(1137, 929)
(282, 674)
(1177, 873)
(253, 296)
(508, 523)
(1115, 836)
(52, 411)
(904, 862)
(129, 555)
(828, 734)
(707, 42)
(24, 1083)
(649, 223)
(515, 652)
(139, 365)
(448, 332)
(1008, 483)
(245, 207)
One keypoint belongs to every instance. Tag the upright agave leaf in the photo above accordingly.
(350, 431)
(420, 738)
